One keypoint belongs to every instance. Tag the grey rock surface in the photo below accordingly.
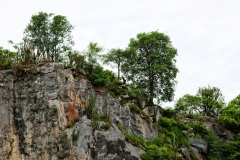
(37, 107)
(211, 123)
(184, 151)
(199, 147)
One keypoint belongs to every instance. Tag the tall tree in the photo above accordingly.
(50, 36)
(154, 66)
(114, 56)
(60, 29)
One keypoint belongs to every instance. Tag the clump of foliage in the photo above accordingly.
(139, 94)
(158, 153)
(7, 58)
(105, 116)
(215, 145)
(169, 113)
(230, 115)
(90, 106)
(114, 56)
(49, 35)
(199, 129)
(133, 139)
(95, 117)
(74, 58)
(166, 144)
(174, 128)
(208, 101)
(100, 77)
(231, 148)
(136, 109)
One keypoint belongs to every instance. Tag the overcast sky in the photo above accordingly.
(206, 33)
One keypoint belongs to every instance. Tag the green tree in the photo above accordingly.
(128, 66)
(50, 36)
(188, 104)
(92, 55)
(60, 29)
(212, 101)
(208, 101)
(74, 58)
(114, 56)
(230, 115)
(154, 66)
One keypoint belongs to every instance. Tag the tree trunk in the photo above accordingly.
(118, 72)
(151, 96)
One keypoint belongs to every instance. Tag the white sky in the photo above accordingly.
(206, 33)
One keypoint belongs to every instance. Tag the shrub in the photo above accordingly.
(199, 128)
(215, 145)
(100, 77)
(169, 112)
(135, 140)
(231, 148)
(162, 153)
(90, 106)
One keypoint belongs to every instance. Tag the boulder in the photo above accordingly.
(199, 147)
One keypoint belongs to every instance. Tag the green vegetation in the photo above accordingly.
(90, 104)
(49, 35)
(114, 56)
(149, 71)
(95, 117)
(152, 60)
(6, 58)
(230, 115)
(136, 109)
(100, 77)
(208, 101)
(92, 54)
(133, 139)
(74, 136)
(72, 123)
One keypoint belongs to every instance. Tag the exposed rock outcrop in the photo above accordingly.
(199, 147)
(211, 123)
(37, 107)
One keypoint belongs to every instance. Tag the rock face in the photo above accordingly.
(211, 123)
(37, 108)
(199, 147)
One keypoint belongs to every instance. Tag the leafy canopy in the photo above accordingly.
(114, 56)
(230, 115)
(6, 58)
(50, 36)
(152, 66)
(92, 55)
(208, 101)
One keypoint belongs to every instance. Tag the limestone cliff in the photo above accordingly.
(43, 116)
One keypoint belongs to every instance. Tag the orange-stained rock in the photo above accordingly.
(72, 112)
